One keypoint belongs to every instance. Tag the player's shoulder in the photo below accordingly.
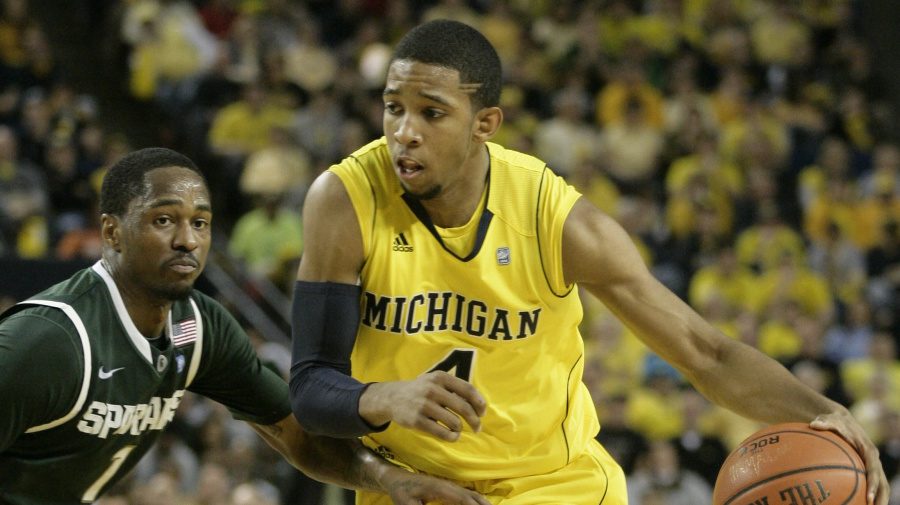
(368, 174)
(372, 155)
(503, 158)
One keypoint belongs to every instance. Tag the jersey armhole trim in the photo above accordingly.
(367, 244)
(537, 232)
(86, 346)
(198, 346)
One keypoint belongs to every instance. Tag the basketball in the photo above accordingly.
(791, 464)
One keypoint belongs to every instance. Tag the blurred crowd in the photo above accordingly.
(746, 146)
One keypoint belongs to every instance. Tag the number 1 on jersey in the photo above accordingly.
(118, 458)
(458, 363)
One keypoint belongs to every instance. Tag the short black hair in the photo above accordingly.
(124, 181)
(460, 47)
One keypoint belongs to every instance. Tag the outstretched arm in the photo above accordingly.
(347, 463)
(599, 255)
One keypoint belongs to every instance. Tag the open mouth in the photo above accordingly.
(408, 166)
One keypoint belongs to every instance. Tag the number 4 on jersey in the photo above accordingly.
(458, 363)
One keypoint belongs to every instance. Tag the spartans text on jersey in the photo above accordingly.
(447, 311)
(101, 417)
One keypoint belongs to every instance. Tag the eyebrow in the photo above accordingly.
(431, 96)
(165, 202)
(435, 98)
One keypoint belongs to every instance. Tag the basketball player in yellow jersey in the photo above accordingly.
(443, 267)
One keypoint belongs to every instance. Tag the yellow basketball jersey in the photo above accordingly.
(498, 315)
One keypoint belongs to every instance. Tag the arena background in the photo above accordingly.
(71, 67)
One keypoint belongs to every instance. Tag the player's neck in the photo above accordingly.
(147, 311)
(149, 314)
(457, 203)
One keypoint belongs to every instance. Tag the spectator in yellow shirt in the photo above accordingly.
(857, 373)
(762, 246)
(792, 281)
(629, 82)
(725, 280)
(840, 262)
(780, 37)
(656, 409)
(631, 149)
(778, 335)
(875, 211)
(245, 126)
(836, 205)
(832, 161)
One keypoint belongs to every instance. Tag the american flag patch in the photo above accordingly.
(184, 332)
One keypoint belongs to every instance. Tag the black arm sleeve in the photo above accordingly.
(324, 397)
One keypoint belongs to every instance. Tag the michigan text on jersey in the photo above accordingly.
(447, 311)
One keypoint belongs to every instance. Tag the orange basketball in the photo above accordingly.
(792, 464)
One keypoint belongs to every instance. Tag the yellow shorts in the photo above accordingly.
(593, 478)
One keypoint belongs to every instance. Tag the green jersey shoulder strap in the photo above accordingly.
(86, 351)
(86, 348)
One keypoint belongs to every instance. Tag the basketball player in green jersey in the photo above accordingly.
(443, 267)
(92, 369)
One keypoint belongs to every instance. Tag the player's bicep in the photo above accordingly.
(333, 250)
(599, 255)
(597, 250)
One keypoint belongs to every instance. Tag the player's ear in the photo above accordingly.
(110, 231)
(487, 122)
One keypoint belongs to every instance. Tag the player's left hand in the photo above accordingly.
(844, 425)
(416, 489)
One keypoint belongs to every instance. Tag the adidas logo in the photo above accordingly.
(400, 244)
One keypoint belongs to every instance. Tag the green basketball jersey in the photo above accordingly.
(487, 302)
(85, 395)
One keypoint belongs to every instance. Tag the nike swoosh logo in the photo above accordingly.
(106, 375)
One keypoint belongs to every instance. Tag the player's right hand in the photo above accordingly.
(417, 489)
(432, 403)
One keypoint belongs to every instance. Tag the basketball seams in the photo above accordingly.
(824, 462)
(800, 470)
(812, 434)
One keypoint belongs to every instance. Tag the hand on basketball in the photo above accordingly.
(847, 427)
(432, 403)
(416, 489)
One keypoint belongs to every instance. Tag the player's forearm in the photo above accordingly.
(756, 386)
(729, 373)
(346, 463)
(324, 397)
(343, 462)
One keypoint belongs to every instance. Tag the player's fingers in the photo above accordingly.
(467, 392)
(827, 422)
(440, 413)
(477, 499)
(471, 499)
(454, 496)
(876, 491)
(875, 479)
(464, 409)
(436, 424)
(436, 430)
